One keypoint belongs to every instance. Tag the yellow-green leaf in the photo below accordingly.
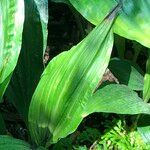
(69, 80)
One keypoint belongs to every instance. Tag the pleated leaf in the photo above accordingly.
(69, 80)
(118, 99)
(133, 22)
(11, 24)
(30, 63)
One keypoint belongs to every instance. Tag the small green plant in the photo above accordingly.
(120, 137)
(53, 101)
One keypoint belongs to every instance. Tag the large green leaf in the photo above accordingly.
(11, 23)
(132, 23)
(9, 143)
(111, 99)
(127, 74)
(66, 91)
(30, 63)
(117, 99)
(66, 84)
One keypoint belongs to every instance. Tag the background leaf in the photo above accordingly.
(127, 73)
(9, 143)
(10, 37)
(133, 22)
(144, 128)
(30, 63)
(143, 125)
(120, 46)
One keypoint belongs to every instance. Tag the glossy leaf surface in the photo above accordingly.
(127, 74)
(11, 24)
(30, 63)
(132, 23)
(66, 91)
(118, 99)
(66, 84)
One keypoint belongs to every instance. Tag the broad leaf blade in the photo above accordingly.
(30, 64)
(127, 74)
(11, 23)
(132, 23)
(69, 79)
(118, 99)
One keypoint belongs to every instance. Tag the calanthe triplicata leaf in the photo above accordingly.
(66, 84)
(66, 92)
(115, 98)
(30, 64)
(11, 24)
(133, 21)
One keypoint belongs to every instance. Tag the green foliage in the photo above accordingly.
(118, 136)
(10, 37)
(144, 128)
(127, 73)
(9, 143)
(133, 21)
(120, 96)
(30, 64)
(52, 102)
(75, 74)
